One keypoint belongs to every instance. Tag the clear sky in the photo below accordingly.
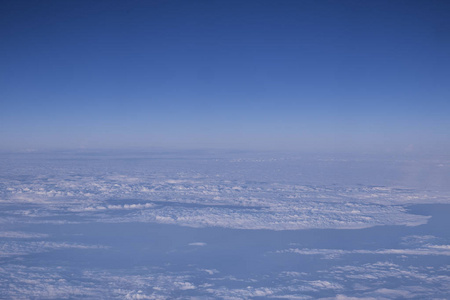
(306, 75)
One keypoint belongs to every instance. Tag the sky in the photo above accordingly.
(284, 75)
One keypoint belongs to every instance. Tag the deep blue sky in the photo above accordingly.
(306, 75)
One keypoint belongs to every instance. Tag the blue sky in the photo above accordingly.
(290, 75)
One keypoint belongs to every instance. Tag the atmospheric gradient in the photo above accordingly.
(229, 150)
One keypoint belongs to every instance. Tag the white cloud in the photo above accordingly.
(425, 249)
(197, 200)
(200, 244)
(13, 248)
(184, 285)
(22, 235)
(210, 271)
(322, 284)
